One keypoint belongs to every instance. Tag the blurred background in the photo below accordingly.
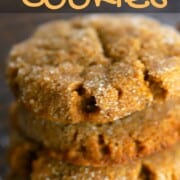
(17, 27)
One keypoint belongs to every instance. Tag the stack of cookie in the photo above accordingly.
(98, 97)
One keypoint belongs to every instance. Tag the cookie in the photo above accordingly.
(137, 135)
(163, 165)
(45, 165)
(96, 68)
(21, 154)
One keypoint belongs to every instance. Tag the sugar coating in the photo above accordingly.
(95, 68)
(163, 165)
(138, 135)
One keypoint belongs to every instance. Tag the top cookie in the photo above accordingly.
(95, 68)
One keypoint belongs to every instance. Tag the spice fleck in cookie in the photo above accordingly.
(138, 135)
(96, 68)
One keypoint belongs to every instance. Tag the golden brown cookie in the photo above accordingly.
(164, 165)
(95, 69)
(22, 152)
(137, 135)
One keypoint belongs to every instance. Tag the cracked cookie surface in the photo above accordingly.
(44, 165)
(96, 68)
(140, 134)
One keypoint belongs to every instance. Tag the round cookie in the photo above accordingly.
(162, 165)
(137, 135)
(96, 68)
(21, 153)
(45, 165)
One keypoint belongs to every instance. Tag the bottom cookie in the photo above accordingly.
(44, 165)
(136, 136)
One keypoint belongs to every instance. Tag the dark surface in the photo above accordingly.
(14, 28)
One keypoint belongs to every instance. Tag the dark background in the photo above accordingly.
(18, 6)
(14, 28)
